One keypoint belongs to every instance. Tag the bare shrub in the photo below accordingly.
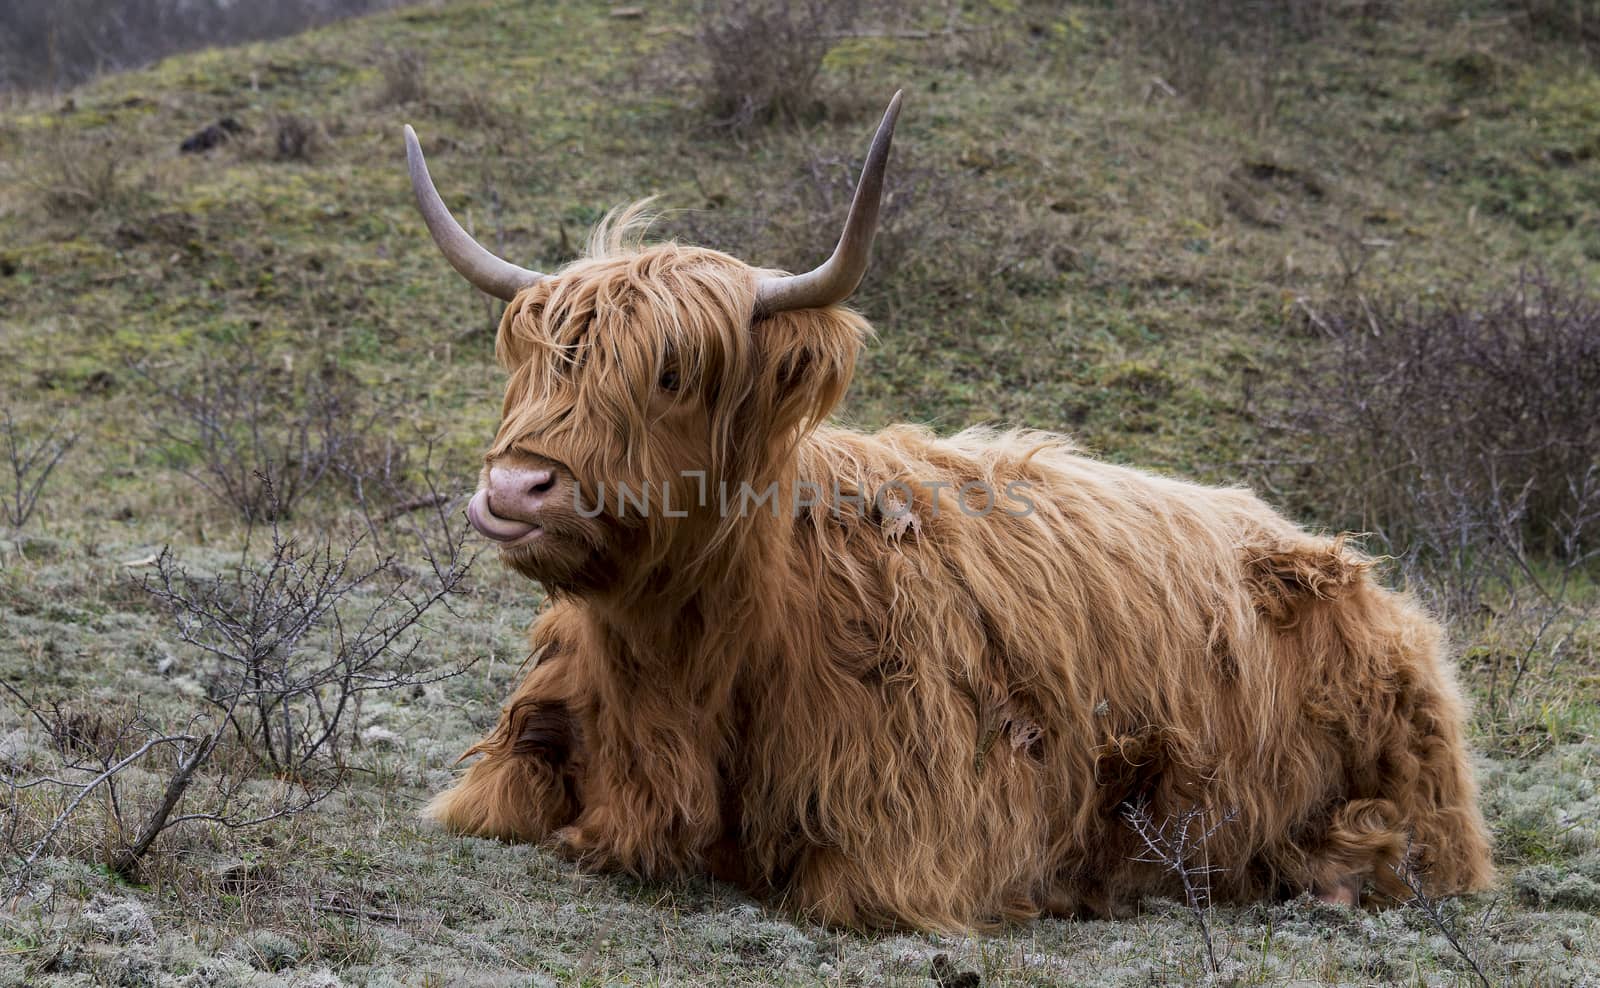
(762, 57)
(94, 738)
(94, 753)
(1460, 434)
(30, 463)
(288, 660)
(296, 137)
(1456, 425)
(1443, 919)
(405, 76)
(293, 636)
(389, 491)
(260, 436)
(1562, 20)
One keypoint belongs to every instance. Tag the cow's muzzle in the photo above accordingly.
(509, 506)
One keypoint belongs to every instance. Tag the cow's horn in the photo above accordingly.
(840, 274)
(488, 273)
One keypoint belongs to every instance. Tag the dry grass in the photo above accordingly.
(1232, 55)
(81, 174)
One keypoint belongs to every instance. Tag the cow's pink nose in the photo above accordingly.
(518, 493)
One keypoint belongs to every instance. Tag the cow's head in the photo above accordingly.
(666, 372)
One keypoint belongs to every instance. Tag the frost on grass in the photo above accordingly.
(268, 950)
(1571, 884)
(1546, 817)
(118, 920)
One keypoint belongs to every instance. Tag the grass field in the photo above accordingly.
(1075, 243)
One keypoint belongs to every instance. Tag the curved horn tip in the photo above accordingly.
(892, 114)
(486, 272)
(841, 273)
(885, 132)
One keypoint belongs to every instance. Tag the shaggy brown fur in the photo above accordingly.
(933, 719)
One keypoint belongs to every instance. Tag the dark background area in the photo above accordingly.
(50, 44)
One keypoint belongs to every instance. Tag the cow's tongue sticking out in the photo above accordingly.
(491, 525)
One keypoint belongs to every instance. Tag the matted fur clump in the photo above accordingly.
(884, 705)
(895, 679)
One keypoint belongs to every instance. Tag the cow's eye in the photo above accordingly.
(669, 380)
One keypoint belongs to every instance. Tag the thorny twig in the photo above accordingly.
(1174, 843)
(1435, 914)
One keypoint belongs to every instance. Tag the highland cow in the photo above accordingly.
(903, 680)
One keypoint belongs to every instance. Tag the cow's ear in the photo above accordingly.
(513, 344)
(808, 357)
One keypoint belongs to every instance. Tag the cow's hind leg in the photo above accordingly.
(1420, 822)
(1376, 685)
